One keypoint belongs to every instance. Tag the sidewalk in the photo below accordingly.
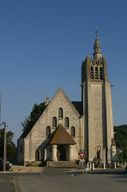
(24, 169)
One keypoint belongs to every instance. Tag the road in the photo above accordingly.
(6, 183)
(56, 180)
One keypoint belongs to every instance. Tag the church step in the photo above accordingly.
(62, 164)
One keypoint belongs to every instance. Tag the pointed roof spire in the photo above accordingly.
(97, 47)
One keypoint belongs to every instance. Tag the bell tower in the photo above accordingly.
(97, 106)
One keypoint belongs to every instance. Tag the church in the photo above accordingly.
(67, 127)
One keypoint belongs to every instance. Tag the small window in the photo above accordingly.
(73, 131)
(48, 131)
(66, 122)
(60, 113)
(54, 122)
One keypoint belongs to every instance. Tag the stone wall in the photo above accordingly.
(95, 128)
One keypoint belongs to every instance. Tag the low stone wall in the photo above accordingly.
(24, 169)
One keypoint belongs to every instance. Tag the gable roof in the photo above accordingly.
(76, 105)
(61, 136)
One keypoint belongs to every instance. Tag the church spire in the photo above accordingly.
(97, 48)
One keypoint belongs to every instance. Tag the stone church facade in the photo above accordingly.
(67, 127)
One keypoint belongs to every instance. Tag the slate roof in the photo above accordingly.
(61, 136)
(79, 106)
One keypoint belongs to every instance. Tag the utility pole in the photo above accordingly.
(0, 107)
(5, 147)
(5, 139)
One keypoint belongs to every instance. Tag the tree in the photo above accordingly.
(11, 148)
(33, 117)
(121, 141)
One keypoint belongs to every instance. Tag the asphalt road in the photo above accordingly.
(56, 180)
(6, 183)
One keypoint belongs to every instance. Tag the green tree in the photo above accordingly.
(11, 148)
(121, 141)
(33, 117)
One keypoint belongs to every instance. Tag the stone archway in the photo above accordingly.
(62, 152)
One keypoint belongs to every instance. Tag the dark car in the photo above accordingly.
(8, 166)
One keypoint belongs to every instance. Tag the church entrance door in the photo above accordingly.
(61, 152)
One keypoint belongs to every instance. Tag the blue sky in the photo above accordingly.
(43, 43)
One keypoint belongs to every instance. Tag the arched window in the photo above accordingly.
(48, 131)
(60, 113)
(73, 131)
(54, 122)
(67, 122)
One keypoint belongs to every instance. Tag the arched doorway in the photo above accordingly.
(98, 153)
(61, 152)
(98, 156)
(37, 155)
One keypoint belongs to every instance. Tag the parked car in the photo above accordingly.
(8, 166)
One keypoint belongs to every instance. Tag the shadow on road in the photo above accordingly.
(115, 172)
